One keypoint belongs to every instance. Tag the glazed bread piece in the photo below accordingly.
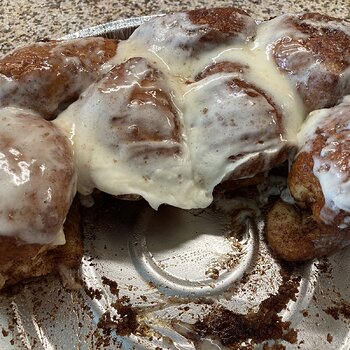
(249, 122)
(314, 50)
(46, 76)
(319, 181)
(190, 34)
(38, 183)
(22, 262)
(131, 130)
(182, 109)
(223, 24)
(294, 235)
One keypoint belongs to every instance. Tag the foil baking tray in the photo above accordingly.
(176, 279)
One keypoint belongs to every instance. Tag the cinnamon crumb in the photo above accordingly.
(329, 338)
(341, 308)
(232, 329)
(113, 286)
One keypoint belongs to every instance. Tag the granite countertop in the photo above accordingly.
(24, 21)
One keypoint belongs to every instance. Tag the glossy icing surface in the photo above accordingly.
(230, 123)
(37, 178)
(188, 101)
(326, 135)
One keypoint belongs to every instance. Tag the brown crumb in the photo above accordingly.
(305, 313)
(93, 293)
(124, 299)
(113, 286)
(232, 328)
(341, 308)
(123, 325)
(4, 332)
(275, 346)
(329, 338)
(151, 285)
(213, 273)
(324, 266)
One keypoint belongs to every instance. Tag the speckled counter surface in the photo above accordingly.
(24, 21)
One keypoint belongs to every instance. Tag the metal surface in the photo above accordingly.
(120, 29)
(171, 267)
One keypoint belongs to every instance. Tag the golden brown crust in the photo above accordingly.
(222, 23)
(321, 227)
(23, 61)
(315, 53)
(303, 183)
(19, 262)
(52, 73)
(219, 25)
(294, 235)
(331, 46)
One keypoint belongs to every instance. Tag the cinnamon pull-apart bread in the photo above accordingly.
(319, 181)
(190, 101)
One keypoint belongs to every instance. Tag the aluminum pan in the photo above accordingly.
(171, 267)
(120, 29)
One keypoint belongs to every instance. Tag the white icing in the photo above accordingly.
(315, 120)
(221, 128)
(307, 70)
(32, 162)
(185, 179)
(168, 41)
(335, 187)
(232, 125)
(307, 132)
(106, 161)
(7, 85)
(333, 175)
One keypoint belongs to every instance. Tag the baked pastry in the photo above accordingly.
(190, 110)
(38, 182)
(189, 101)
(314, 51)
(319, 181)
(37, 170)
(47, 76)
